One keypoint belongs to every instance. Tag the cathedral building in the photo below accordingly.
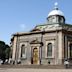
(46, 44)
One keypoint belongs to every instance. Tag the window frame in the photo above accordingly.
(49, 51)
(23, 57)
(53, 45)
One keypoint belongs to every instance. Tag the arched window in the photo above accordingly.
(71, 51)
(22, 50)
(49, 49)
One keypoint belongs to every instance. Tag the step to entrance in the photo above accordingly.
(35, 66)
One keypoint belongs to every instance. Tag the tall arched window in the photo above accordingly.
(49, 49)
(71, 51)
(23, 51)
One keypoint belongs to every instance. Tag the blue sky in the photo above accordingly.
(23, 15)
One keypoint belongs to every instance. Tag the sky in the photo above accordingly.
(23, 15)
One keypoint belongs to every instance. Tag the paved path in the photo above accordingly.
(33, 70)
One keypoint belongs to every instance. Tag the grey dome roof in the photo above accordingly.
(56, 12)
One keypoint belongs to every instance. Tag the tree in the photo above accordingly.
(7, 51)
(4, 51)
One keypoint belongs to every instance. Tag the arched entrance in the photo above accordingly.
(35, 52)
(35, 56)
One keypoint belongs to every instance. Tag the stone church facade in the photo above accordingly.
(46, 44)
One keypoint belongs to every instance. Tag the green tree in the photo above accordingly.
(7, 51)
(4, 51)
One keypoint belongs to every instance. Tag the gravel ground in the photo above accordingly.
(33, 70)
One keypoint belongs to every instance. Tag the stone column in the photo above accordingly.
(60, 47)
(14, 49)
(56, 49)
(19, 55)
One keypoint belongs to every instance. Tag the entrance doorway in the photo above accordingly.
(35, 56)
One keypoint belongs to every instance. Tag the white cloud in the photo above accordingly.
(22, 26)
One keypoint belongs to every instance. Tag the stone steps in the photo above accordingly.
(35, 66)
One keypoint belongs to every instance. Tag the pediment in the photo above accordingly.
(35, 42)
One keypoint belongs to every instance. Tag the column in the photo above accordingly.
(56, 49)
(60, 47)
(14, 48)
(19, 55)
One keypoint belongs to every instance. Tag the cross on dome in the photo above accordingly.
(56, 5)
